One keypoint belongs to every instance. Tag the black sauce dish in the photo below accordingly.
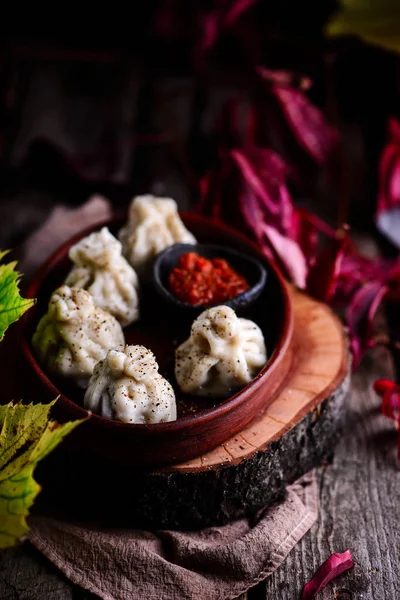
(249, 267)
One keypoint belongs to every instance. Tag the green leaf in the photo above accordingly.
(376, 22)
(12, 306)
(26, 436)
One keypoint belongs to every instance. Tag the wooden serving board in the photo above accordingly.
(318, 358)
(297, 432)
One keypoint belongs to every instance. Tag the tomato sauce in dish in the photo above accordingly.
(201, 281)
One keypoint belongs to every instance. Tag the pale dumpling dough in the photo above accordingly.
(222, 354)
(101, 269)
(153, 225)
(127, 386)
(75, 334)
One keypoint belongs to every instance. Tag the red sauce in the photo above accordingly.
(200, 281)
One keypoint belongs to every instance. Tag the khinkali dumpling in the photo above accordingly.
(101, 269)
(75, 334)
(127, 386)
(153, 225)
(222, 354)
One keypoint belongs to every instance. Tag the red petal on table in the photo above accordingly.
(290, 255)
(390, 393)
(331, 568)
(391, 404)
(381, 386)
(308, 123)
(323, 275)
(359, 317)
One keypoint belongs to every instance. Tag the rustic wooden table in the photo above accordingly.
(358, 510)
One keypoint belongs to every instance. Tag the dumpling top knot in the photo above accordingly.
(153, 225)
(100, 268)
(222, 354)
(127, 386)
(98, 249)
(70, 304)
(75, 334)
(133, 361)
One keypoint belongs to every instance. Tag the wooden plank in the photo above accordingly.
(25, 574)
(359, 505)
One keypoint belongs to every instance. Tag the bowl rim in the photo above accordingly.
(164, 291)
(183, 423)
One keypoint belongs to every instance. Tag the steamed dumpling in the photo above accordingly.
(101, 269)
(153, 225)
(127, 386)
(75, 334)
(222, 354)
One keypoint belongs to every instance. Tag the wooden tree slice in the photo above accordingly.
(297, 432)
(318, 368)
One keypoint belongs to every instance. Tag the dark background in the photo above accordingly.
(112, 100)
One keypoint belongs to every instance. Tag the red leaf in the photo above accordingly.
(210, 27)
(283, 77)
(253, 180)
(359, 317)
(264, 174)
(308, 123)
(238, 7)
(331, 568)
(381, 386)
(388, 206)
(306, 234)
(222, 16)
(290, 255)
(323, 275)
(228, 123)
(391, 404)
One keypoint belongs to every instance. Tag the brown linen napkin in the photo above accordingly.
(217, 563)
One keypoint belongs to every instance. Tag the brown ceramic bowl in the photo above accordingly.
(202, 423)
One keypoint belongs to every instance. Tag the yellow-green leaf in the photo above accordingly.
(26, 436)
(12, 306)
(376, 22)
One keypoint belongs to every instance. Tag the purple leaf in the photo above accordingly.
(223, 15)
(237, 8)
(359, 315)
(250, 175)
(289, 254)
(388, 209)
(308, 123)
(331, 568)
(324, 273)
(283, 77)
